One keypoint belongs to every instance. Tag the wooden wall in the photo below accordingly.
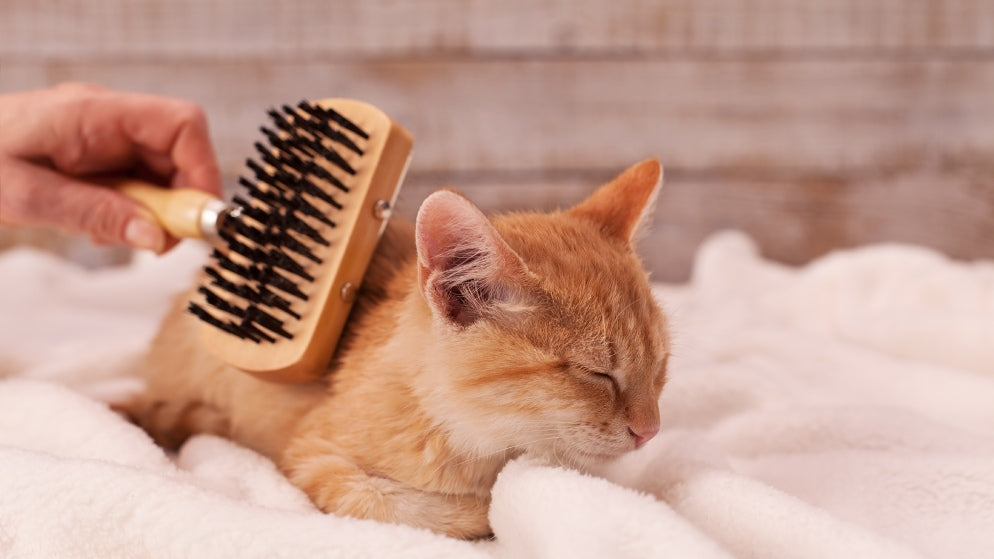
(810, 124)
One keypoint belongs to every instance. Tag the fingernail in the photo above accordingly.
(140, 233)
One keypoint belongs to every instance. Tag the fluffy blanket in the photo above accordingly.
(845, 409)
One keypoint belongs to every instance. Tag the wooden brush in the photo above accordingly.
(292, 251)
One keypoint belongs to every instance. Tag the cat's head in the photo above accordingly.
(545, 334)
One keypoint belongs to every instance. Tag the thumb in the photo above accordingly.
(109, 217)
(36, 195)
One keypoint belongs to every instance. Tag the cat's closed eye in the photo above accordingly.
(598, 375)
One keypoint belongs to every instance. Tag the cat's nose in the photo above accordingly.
(642, 433)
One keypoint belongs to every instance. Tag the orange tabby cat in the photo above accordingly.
(472, 342)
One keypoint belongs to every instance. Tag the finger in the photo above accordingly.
(86, 129)
(159, 165)
(34, 195)
(71, 125)
(43, 123)
(175, 128)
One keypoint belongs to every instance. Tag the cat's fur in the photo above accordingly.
(471, 343)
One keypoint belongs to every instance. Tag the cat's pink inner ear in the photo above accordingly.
(445, 222)
(621, 205)
(463, 263)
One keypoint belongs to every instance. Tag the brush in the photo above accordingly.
(291, 250)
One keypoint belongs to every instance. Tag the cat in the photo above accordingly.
(473, 341)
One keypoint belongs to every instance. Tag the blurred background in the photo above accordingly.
(812, 125)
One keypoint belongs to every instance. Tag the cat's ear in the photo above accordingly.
(465, 268)
(620, 206)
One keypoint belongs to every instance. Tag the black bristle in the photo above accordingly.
(274, 237)
(272, 196)
(280, 121)
(271, 240)
(264, 152)
(314, 144)
(270, 299)
(255, 168)
(271, 199)
(286, 240)
(262, 296)
(265, 276)
(280, 181)
(287, 145)
(279, 281)
(308, 209)
(239, 247)
(295, 224)
(321, 129)
(258, 236)
(254, 333)
(207, 317)
(251, 273)
(260, 173)
(332, 114)
(307, 139)
(318, 171)
(240, 289)
(308, 187)
(322, 113)
(287, 221)
(279, 158)
(279, 165)
(303, 145)
(272, 257)
(267, 321)
(283, 261)
(260, 216)
(219, 303)
(332, 155)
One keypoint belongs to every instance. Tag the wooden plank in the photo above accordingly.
(793, 221)
(363, 29)
(828, 117)
(796, 221)
(21, 76)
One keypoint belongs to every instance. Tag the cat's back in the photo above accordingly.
(388, 281)
(390, 268)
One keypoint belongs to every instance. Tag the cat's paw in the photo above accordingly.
(338, 486)
(170, 423)
(469, 520)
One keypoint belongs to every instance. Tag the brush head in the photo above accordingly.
(276, 294)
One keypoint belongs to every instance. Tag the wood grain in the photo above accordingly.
(822, 116)
(362, 29)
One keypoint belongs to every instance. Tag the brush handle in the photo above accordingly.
(183, 212)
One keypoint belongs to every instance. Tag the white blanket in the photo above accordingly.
(842, 410)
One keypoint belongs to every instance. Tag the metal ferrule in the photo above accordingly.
(211, 219)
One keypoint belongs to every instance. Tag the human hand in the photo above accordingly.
(53, 142)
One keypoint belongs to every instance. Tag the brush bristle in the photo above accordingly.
(275, 233)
